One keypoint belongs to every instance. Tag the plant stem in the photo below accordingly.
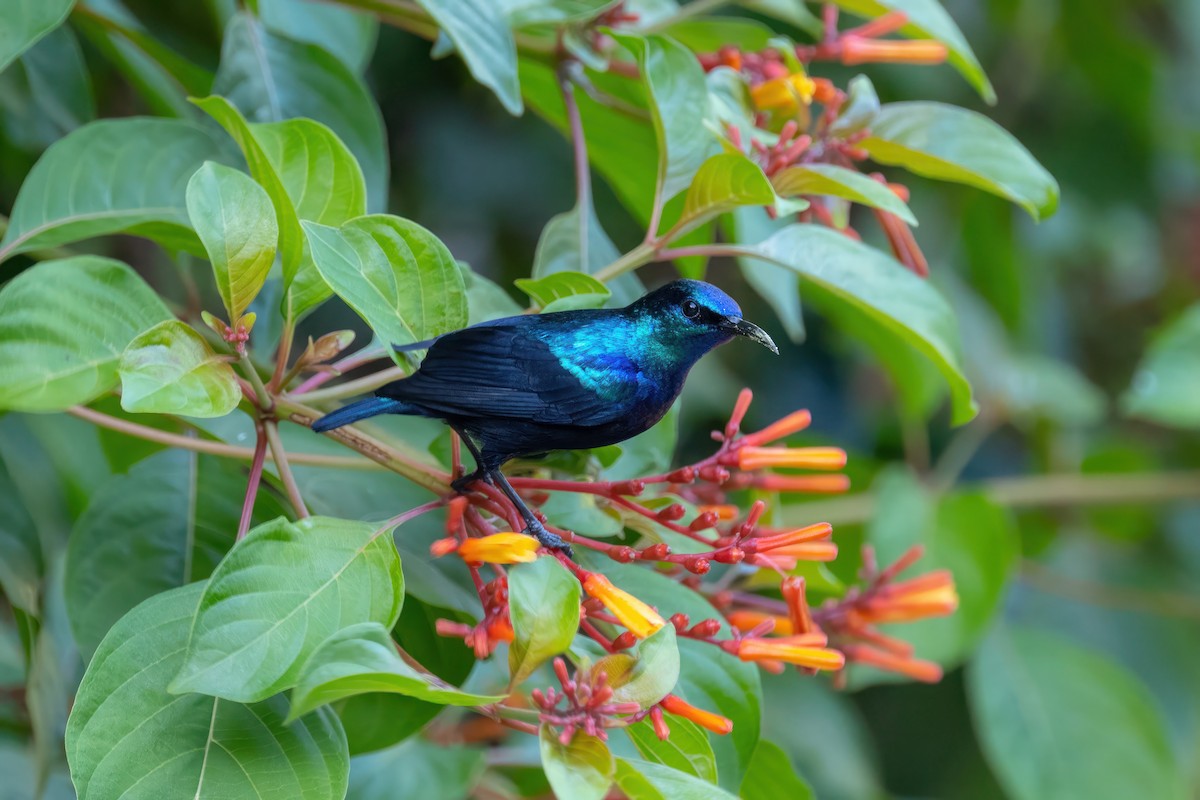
(256, 470)
(284, 468)
(364, 356)
(1032, 491)
(361, 385)
(285, 350)
(642, 254)
(208, 447)
(261, 395)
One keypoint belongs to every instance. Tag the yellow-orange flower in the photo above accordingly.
(750, 458)
(915, 668)
(705, 719)
(784, 94)
(721, 512)
(930, 595)
(639, 618)
(863, 50)
(499, 548)
(802, 650)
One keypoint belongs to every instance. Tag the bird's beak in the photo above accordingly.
(741, 327)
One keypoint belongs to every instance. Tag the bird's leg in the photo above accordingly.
(534, 526)
(463, 484)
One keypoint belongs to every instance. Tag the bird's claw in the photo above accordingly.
(551, 541)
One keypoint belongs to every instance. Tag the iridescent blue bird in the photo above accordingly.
(570, 380)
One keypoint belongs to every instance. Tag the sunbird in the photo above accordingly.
(568, 380)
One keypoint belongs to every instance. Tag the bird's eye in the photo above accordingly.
(691, 309)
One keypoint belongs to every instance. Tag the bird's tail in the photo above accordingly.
(370, 407)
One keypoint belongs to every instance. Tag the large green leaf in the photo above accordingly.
(575, 241)
(777, 285)
(46, 93)
(346, 33)
(544, 604)
(1167, 383)
(564, 291)
(271, 78)
(362, 659)
(398, 276)
(835, 181)
(1055, 720)
(416, 768)
(647, 780)
(309, 174)
(127, 736)
(235, 220)
(26, 21)
(481, 34)
(678, 93)
(948, 143)
(687, 748)
(580, 770)
(723, 183)
(927, 18)
(63, 327)
(70, 194)
(165, 523)
(20, 547)
(851, 272)
(772, 777)
(647, 674)
(170, 369)
(279, 593)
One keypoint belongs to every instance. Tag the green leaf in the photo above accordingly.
(271, 78)
(860, 108)
(581, 770)
(648, 673)
(46, 93)
(278, 595)
(70, 194)
(772, 777)
(363, 658)
(564, 291)
(170, 369)
(128, 736)
(851, 272)
(645, 780)
(687, 749)
(948, 143)
(709, 34)
(927, 19)
(235, 220)
(777, 285)
(26, 22)
(968, 535)
(723, 183)
(563, 247)
(53, 674)
(176, 513)
(834, 181)
(20, 548)
(1167, 382)
(544, 605)
(678, 93)
(63, 327)
(416, 768)
(1055, 720)
(481, 34)
(348, 34)
(396, 275)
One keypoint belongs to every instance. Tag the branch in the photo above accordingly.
(256, 469)
(361, 385)
(284, 469)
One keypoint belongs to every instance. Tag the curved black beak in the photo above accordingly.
(741, 327)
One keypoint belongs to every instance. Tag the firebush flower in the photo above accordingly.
(705, 719)
(639, 618)
(803, 650)
(496, 548)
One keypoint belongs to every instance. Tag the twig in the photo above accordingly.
(361, 385)
(256, 470)
(284, 468)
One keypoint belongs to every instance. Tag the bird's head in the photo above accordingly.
(697, 316)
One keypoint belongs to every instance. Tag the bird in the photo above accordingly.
(523, 386)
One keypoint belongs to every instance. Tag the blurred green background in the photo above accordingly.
(1056, 319)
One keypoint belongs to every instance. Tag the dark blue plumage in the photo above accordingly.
(570, 380)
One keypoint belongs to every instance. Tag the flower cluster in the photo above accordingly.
(698, 505)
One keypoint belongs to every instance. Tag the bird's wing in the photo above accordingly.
(508, 370)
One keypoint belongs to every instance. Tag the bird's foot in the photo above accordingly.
(462, 485)
(551, 541)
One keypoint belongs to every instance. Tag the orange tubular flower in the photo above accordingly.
(817, 484)
(747, 620)
(499, 548)
(930, 595)
(722, 512)
(705, 719)
(802, 650)
(799, 615)
(792, 423)
(639, 618)
(915, 668)
(808, 551)
(785, 94)
(862, 50)
(751, 458)
(809, 533)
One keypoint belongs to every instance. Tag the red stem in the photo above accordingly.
(256, 471)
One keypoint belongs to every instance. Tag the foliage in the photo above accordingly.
(201, 597)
